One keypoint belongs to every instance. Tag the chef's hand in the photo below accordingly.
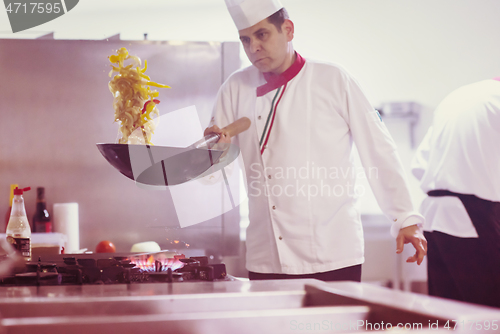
(412, 234)
(224, 136)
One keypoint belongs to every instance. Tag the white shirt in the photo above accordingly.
(303, 217)
(460, 153)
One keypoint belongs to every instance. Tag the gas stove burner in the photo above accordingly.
(39, 273)
(168, 276)
(142, 268)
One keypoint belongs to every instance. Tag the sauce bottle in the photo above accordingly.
(11, 197)
(41, 219)
(18, 229)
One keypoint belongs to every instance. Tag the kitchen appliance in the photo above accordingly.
(109, 268)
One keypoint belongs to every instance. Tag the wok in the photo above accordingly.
(167, 166)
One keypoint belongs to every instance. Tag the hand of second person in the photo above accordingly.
(412, 234)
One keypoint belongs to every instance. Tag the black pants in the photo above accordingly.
(344, 274)
(467, 269)
(458, 268)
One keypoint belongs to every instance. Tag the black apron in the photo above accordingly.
(484, 214)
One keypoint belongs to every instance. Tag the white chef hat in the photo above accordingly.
(246, 13)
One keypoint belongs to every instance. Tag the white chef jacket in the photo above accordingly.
(460, 153)
(303, 217)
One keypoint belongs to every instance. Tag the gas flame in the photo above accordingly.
(149, 263)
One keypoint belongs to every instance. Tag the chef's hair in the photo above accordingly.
(278, 18)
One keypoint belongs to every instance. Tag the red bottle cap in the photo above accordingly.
(18, 191)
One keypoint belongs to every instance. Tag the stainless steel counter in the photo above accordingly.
(279, 306)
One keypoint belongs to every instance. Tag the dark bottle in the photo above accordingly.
(41, 219)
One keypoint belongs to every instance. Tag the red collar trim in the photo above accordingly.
(497, 78)
(274, 81)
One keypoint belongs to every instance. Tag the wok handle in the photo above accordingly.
(207, 141)
(238, 126)
(232, 129)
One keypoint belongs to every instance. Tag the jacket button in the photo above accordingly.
(259, 117)
(281, 238)
(269, 176)
(274, 207)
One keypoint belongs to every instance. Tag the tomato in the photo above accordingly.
(105, 246)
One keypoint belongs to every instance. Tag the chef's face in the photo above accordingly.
(267, 48)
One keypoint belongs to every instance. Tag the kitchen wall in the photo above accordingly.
(398, 50)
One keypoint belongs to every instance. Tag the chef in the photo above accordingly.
(458, 165)
(300, 176)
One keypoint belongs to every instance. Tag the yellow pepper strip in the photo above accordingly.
(145, 66)
(145, 76)
(114, 59)
(150, 83)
